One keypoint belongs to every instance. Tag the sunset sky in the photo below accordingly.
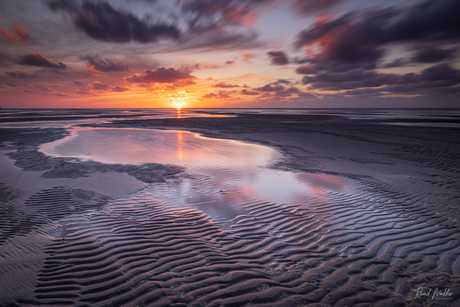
(229, 53)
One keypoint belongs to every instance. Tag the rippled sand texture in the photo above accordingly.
(341, 250)
(371, 244)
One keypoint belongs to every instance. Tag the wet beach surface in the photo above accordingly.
(250, 208)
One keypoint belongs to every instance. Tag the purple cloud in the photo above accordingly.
(270, 88)
(21, 75)
(163, 75)
(36, 59)
(225, 85)
(278, 57)
(246, 92)
(104, 65)
(218, 95)
(101, 21)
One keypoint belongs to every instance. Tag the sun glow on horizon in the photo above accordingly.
(179, 106)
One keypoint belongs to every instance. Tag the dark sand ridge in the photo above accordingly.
(394, 231)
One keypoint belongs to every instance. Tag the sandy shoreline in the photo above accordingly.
(393, 230)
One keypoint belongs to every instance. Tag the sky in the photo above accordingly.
(229, 54)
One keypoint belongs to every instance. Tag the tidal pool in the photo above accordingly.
(225, 173)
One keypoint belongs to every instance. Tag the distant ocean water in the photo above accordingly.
(61, 118)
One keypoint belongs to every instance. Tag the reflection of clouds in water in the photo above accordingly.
(321, 181)
(135, 146)
(232, 169)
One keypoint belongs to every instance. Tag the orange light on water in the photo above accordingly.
(180, 145)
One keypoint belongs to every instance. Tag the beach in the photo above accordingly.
(230, 207)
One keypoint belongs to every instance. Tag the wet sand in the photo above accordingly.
(378, 221)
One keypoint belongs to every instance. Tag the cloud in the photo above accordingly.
(333, 66)
(361, 37)
(60, 94)
(270, 88)
(206, 25)
(286, 93)
(21, 75)
(230, 62)
(163, 75)
(104, 65)
(282, 81)
(307, 95)
(78, 83)
(43, 88)
(440, 72)
(431, 53)
(440, 75)
(19, 36)
(225, 85)
(119, 89)
(233, 12)
(307, 70)
(308, 7)
(6, 85)
(36, 59)
(278, 57)
(395, 63)
(246, 92)
(101, 21)
(248, 56)
(97, 86)
(199, 66)
(219, 95)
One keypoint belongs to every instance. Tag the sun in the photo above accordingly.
(179, 106)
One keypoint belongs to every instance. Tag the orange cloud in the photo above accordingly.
(19, 36)
(248, 56)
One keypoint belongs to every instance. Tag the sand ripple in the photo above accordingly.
(362, 246)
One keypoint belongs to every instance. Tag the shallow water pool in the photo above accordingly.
(225, 173)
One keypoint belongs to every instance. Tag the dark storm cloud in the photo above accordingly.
(215, 37)
(312, 6)
(440, 75)
(353, 38)
(198, 24)
(36, 59)
(246, 92)
(307, 70)
(220, 24)
(21, 75)
(225, 85)
(163, 75)
(104, 65)
(270, 88)
(395, 63)
(237, 12)
(334, 66)
(440, 72)
(433, 54)
(278, 57)
(101, 21)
